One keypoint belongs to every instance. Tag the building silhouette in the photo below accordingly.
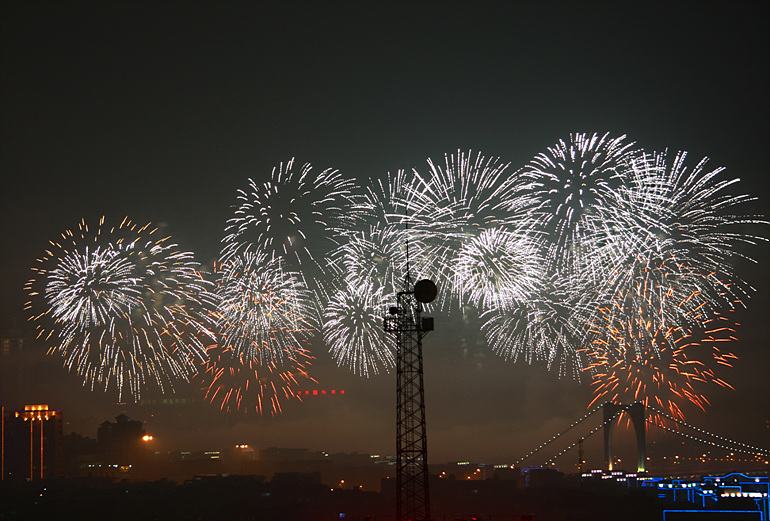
(120, 442)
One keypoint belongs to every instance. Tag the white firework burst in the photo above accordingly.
(263, 311)
(498, 268)
(296, 215)
(576, 184)
(353, 329)
(123, 307)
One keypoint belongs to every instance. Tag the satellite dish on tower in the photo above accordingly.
(425, 291)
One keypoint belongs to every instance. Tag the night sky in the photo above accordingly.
(161, 110)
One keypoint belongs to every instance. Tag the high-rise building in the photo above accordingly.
(31, 443)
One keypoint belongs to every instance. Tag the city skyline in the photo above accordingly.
(162, 114)
(125, 449)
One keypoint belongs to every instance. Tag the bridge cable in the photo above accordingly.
(756, 450)
(544, 445)
(602, 425)
(762, 452)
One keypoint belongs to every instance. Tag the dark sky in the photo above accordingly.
(162, 110)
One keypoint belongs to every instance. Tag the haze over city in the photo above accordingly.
(161, 112)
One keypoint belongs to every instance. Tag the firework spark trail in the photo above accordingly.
(353, 329)
(124, 309)
(239, 383)
(263, 312)
(543, 329)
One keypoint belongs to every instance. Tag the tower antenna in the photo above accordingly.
(408, 326)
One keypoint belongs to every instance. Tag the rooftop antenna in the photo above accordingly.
(408, 326)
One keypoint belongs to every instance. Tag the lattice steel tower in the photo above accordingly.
(405, 321)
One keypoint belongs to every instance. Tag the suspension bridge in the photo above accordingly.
(643, 419)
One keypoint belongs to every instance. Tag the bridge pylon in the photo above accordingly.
(636, 412)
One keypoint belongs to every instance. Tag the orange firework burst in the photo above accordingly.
(258, 359)
(642, 351)
(237, 382)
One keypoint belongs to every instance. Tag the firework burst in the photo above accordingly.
(264, 318)
(353, 329)
(374, 256)
(688, 217)
(463, 195)
(454, 202)
(263, 311)
(669, 290)
(634, 359)
(576, 185)
(295, 215)
(498, 268)
(384, 202)
(659, 340)
(122, 306)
